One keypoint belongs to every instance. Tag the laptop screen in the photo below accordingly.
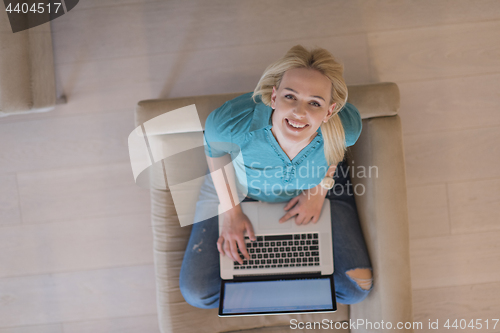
(278, 296)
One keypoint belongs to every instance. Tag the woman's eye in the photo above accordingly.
(315, 103)
(288, 96)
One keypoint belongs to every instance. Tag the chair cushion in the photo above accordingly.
(175, 315)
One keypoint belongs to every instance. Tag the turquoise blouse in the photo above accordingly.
(264, 172)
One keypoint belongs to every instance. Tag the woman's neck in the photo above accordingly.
(291, 149)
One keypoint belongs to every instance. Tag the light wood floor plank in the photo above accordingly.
(450, 104)
(149, 27)
(10, 212)
(448, 156)
(428, 211)
(435, 52)
(84, 244)
(78, 193)
(160, 27)
(53, 328)
(145, 324)
(455, 260)
(475, 206)
(65, 141)
(189, 72)
(106, 99)
(469, 302)
(78, 296)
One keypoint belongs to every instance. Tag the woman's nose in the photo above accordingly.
(299, 111)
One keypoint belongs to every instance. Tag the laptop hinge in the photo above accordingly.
(268, 275)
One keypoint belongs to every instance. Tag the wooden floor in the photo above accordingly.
(75, 234)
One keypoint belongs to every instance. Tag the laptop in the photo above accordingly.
(290, 269)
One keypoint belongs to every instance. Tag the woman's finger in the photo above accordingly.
(219, 245)
(292, 212)
(307, 220)
(286, 217)
(227, 249)
(299, 219)
(303, 218)
(242, 247)
(250, 232)
(291, 203)
(234, 251)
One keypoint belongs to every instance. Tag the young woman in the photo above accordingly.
(291, 135)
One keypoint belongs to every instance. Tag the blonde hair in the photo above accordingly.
(322, 61)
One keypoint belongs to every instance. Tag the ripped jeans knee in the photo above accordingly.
(354, 285)
(362, 276)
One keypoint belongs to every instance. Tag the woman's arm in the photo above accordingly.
(235, 221)
(223, 185)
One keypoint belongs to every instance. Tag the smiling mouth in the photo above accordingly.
(295, 124)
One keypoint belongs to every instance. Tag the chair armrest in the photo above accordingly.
(27, 77)
(375, 100)
(43, 82)
(383, 215)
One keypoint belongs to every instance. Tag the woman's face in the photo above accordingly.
(301, 104)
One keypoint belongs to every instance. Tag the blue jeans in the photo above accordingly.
(200, 280)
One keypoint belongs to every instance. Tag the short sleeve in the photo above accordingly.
(217, 136)
(351, 121)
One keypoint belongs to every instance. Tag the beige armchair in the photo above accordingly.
(382, 210)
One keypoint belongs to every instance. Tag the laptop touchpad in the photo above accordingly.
(269, 215)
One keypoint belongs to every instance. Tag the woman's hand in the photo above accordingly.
(306, 207)
(232, 236)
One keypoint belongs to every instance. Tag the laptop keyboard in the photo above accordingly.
(274, 251)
